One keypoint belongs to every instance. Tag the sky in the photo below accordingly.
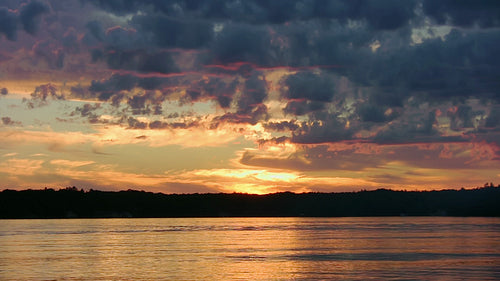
(191, 96)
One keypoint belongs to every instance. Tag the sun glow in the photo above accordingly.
(249, 174)
(277, 177)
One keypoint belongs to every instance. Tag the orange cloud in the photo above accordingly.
(68, 163)
(20, 167)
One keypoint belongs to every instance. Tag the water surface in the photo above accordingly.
(407, 248)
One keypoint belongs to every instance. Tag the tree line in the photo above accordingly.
(76, 203)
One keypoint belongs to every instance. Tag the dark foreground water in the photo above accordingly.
(408, 248)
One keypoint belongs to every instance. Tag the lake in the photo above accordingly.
(371, 248)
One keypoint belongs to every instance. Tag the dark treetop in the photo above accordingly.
(74, 203)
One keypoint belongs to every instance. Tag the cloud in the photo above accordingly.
(27, 14)
(321, 157)
(112, 85)
(173, 134)
(39, 97)
(20, 167)
(372, 113)
(262, 181)
(253, 95)
(387, 14)
(87, 110)
(281, 126)
(243, 43)
(409, 131)
(362, 160)
(170, 32)
(7, 121)
(141, 61)
(50, 52)
(30, 13)
(463, 13)
(493, 119)
(222, 90)
(120, 6)
(394, 73)
(413, 82)
(328, 128)
(456, 68)
(53, 141)
(308, 86)
(96, 30)
(8, 23)
(70, 163)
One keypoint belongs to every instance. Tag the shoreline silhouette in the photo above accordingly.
(72, 202)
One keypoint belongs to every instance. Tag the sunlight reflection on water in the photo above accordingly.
(433, 248)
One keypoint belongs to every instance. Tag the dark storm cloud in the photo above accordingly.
(253, 94)
(308, 86)
(371, 113)
(493, 120)
(388, 97)
(249, 105)
(386, 14)
(121, 38)
(221, 50)
(222, 90)
(96, 30)
(381, 14)
(418, 129)
(115, 89)
(49, 52)
(281, 126)
(326, 128)
(462, 117)
(338, 46)
(146, 103)
(463, 65)
(176, 33)
(196, 88)
(122, 6)
(141, 61)
(303, 107)
(115, 83)
(126, 49)
(464, 13)
(30, 15)
(8, 23)
(243, 43)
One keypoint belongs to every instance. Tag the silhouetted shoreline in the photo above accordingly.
(74, 203)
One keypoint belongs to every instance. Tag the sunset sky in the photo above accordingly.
(185, 96)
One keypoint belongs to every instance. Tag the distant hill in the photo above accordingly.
(74, 203)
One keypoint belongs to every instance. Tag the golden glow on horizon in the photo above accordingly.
(277, 177)
(15, 165)
(250, 174)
